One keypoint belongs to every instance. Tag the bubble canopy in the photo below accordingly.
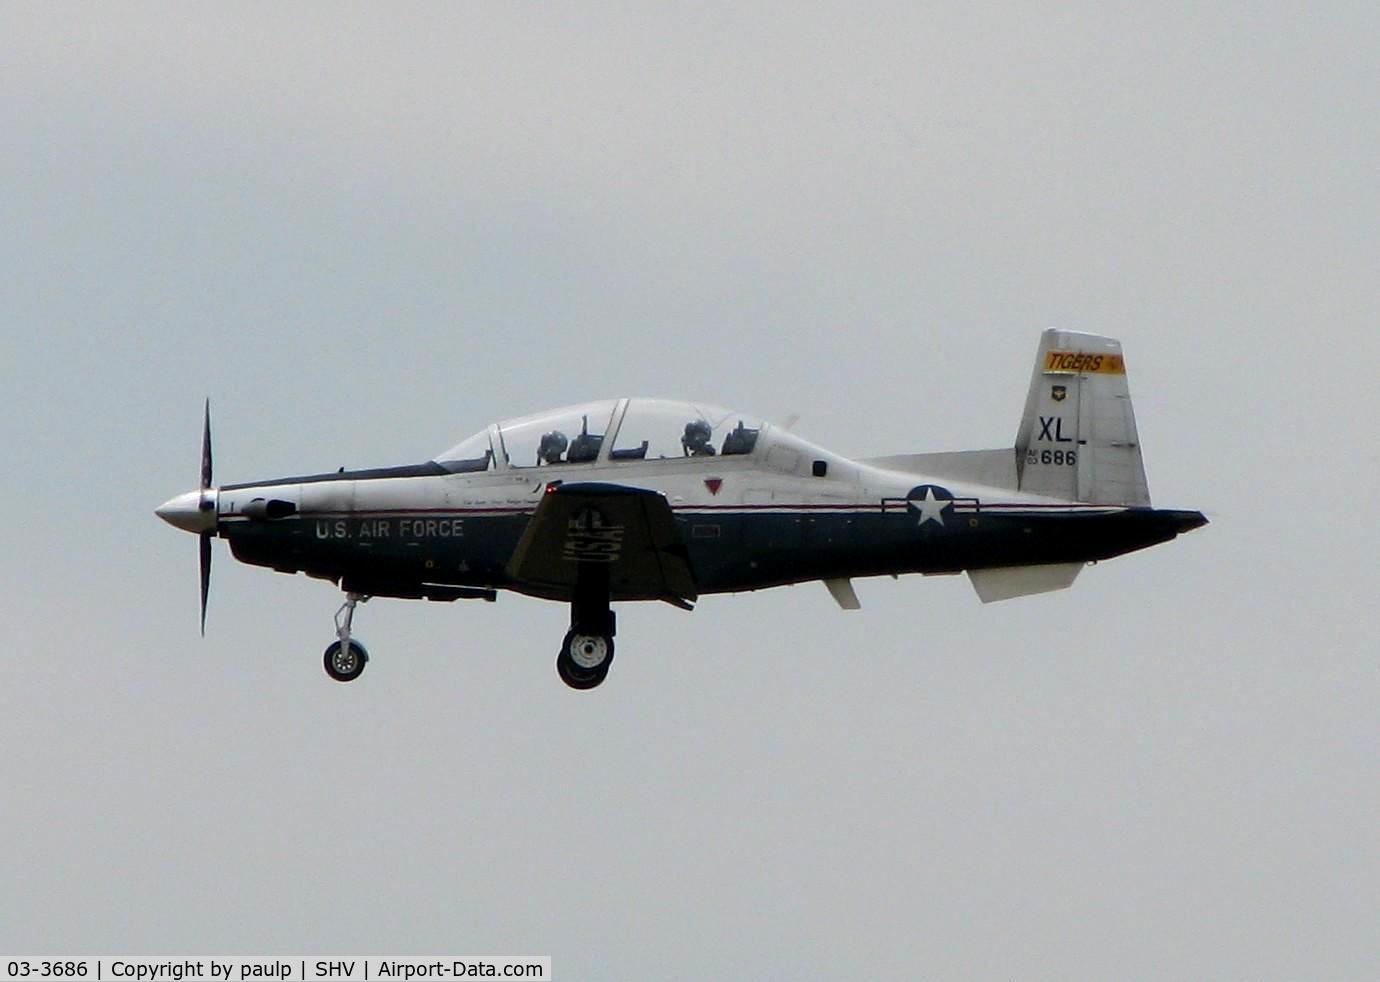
(611, 430)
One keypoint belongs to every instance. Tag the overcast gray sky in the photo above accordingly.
(365, 232)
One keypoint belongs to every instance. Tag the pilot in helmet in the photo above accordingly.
(695, 441)
(553, 444)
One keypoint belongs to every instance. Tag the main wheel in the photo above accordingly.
(584, 659)
(345, 664)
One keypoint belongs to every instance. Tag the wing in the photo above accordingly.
(589, 534)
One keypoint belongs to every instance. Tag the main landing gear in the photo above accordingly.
(345, 658)
(587, 651)
(583, 663)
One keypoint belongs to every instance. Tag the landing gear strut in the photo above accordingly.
(587, 650)
(345, 659)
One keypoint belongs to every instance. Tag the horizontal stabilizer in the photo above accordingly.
(990, 468)
(1006, 582)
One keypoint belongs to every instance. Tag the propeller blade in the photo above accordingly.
(206, 450)
(205, 576)
(205, 536)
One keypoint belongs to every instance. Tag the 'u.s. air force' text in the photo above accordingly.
(408, 529)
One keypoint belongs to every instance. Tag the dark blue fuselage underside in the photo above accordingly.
(410, 555)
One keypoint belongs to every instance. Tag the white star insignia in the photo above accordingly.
(931, 508)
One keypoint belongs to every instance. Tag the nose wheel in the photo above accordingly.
(345, 658)
(345, 662)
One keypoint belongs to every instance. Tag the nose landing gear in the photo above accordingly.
(345, 659)
(345, 662)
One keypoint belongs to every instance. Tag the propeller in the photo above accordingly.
(196, 511)
(203, 503)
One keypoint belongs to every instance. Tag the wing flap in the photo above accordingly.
(583, 533)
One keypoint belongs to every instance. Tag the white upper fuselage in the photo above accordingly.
(780, 472)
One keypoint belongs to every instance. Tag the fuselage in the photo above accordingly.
(787, 511)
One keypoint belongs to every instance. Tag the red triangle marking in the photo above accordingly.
(713, 484)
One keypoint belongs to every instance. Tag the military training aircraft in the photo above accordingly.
(649, 499)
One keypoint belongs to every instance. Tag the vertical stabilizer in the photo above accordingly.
(1078, 439)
